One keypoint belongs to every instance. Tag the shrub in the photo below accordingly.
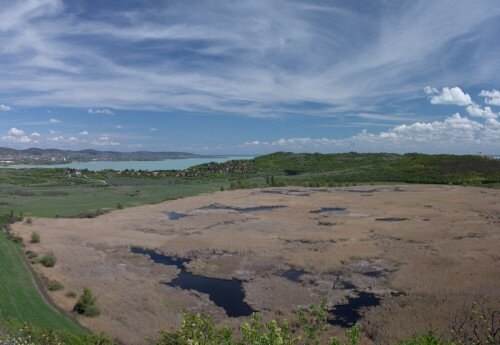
(55, 286)
(71, 294)
(86, 304)
(29, 220)
(92, 311)
(119, 206)
(35, 237)
(49, 259)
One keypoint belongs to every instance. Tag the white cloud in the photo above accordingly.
(476, 110)
(4, 107)
(56, 139)
(16, 139)
(54, 120)
(24, 139)
(103, 111)
(104, 140)
(35, 135)
(84, 133)
(454, 134)
(119, 127)
(72, 139)
(453, 95)
(54, 131)
(492, 97)
(15, 131)
(153, 129)
(430, 90)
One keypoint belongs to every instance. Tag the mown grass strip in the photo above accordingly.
(19, 297)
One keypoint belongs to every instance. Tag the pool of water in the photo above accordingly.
(293, 274)
(176, 215)
(240, 209)
(391, 219)
(346, 315)
(227, 294)
(330, 211)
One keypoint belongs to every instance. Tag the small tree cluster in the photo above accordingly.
(86, 304)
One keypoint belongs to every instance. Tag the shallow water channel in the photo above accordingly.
(227, 294)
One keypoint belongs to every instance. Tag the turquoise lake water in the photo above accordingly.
(168, 164)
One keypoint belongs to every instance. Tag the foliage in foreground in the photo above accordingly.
(16, 333)
(478, 326)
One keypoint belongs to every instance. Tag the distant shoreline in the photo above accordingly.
(120, 165)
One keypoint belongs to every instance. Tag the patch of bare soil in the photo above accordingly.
(403, 260)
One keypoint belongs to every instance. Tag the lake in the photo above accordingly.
(167, 164)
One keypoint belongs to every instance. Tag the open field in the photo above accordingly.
(51, 193)
(19, 298)
(420, 251)
(67, 192)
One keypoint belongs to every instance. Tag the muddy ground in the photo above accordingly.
(412, 254)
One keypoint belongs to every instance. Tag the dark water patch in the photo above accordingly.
(293, 274)
(391, 219)
(162, 259)
(291, 192)
(330, 211)
(361, 190)
(373, 274)
(346, 315)
(227, 294)
(266, 191)
(348, 285)
(176, 215)
(217, 206)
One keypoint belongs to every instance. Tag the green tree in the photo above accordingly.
(86, 304)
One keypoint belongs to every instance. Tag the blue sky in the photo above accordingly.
(251, 76)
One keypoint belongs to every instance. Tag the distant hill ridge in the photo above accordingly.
(38, 155)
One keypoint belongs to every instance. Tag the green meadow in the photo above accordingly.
(19, 297)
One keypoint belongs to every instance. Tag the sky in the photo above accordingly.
(251, 77)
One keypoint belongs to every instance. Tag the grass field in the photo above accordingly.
(19, 298)
(71, 200)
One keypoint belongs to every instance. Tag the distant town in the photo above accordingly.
(10, 156)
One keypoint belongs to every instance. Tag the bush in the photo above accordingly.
(71, 294)
(92, 311)
(55, 285)
(49, 259)
(119, 206)
(35, 237)
(86, 304)
(29, 220)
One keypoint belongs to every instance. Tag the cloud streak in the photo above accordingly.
(276, 56)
